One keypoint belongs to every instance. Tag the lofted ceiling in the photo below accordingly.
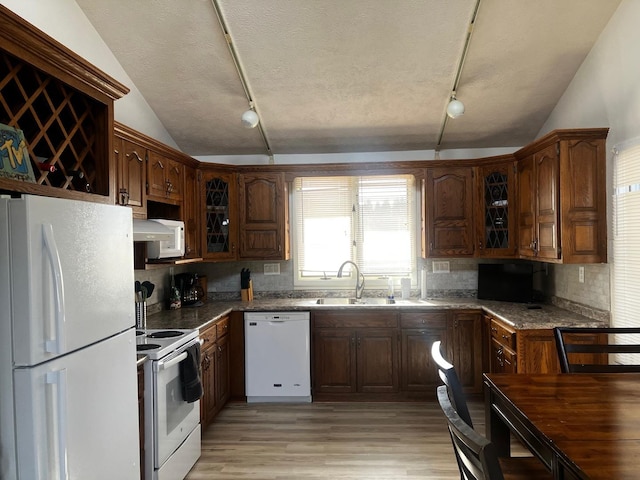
(332, 76)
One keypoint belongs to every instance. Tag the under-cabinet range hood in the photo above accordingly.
(151, 231)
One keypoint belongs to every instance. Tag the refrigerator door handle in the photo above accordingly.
(57, 344)
(59, 380)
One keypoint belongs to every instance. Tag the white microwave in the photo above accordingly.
(168, 248)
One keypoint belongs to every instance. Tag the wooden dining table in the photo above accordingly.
(582, 426)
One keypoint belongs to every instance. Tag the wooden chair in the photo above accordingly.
(450, 378)
(586, 350)
(477, 456)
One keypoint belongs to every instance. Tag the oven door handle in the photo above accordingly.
(172, 362)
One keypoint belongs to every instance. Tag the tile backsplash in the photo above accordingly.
(558, 283)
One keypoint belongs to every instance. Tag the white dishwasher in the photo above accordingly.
(277, 357)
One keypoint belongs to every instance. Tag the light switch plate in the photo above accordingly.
(581, 274)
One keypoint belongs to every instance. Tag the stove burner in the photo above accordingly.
(139, 332)
(165, 334)
(146, 346)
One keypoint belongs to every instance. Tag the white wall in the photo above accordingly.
(605, 92)
(64, 21)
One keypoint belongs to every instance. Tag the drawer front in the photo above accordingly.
(222, 327)
(355, 319)
(208, 336)
(502, 334)
(423, 320)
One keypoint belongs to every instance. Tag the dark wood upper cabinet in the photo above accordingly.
(191, 212)
(449, 212)
(496, 228)
(562, 198)
(131, 162)
(165, 177)
(219, 214)
(263, 209)
(64, 106)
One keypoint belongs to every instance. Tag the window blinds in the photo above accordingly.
(626, 244)
(369, 220)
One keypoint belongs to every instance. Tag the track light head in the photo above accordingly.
(250, 119)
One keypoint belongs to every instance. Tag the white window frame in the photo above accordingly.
(625, 261)
(347, 282)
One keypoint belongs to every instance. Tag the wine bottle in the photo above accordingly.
(47, 167)
(79, 181)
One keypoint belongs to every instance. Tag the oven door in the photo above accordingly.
(173, 418)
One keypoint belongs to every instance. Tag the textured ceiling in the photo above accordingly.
(350, 76)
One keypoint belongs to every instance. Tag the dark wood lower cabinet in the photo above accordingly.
(419, 331)
(360, 355)
(222, 375)
(466, 349)
(355, 353)
(208, 404)
(214, 366)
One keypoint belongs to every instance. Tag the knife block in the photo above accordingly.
(247, 293)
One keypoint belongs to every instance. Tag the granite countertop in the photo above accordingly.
(520, 316)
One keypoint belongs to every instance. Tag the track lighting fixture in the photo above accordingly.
(455, 107)
(250, 119)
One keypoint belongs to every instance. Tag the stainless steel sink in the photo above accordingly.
(354, 301)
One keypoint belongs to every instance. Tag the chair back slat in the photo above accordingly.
(477, 454)
(450, 378)
(587, 350)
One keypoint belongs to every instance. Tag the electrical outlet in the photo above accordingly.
(272, 269)
(581, 274)
(441, 267)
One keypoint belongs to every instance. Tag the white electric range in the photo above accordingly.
(158, 343)
(172, 424)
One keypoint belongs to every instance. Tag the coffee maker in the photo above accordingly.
(191, 292)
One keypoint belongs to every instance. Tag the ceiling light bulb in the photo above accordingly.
(455, 108)
(250, 119)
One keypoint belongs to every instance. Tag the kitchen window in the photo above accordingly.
(625, 301)
(370, 220)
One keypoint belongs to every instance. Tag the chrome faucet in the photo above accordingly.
(359, 285)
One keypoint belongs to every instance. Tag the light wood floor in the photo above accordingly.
(342, 441)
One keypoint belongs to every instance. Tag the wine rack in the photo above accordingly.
(58, 122)
(64, 107)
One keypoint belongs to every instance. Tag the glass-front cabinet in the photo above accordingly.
(495, 234)
(220, 230)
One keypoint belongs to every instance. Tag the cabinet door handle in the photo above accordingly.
(138, 158)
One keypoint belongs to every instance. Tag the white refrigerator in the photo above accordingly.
(68, 381)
